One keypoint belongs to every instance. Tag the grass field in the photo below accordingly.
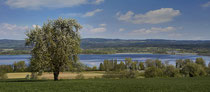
(198, 84)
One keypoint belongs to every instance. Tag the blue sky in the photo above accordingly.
(123, 19)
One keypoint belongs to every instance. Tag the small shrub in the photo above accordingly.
(3, 77)
(27, 77)
(97, 77)
(193, 69)
(3, 74)
(110, 74)
(94, 68)
(127, 74)
(171, 71)
(34, 75)
(44, 78)
(40, 73)
(80, 76)
(153, 72)
(141, 66)
(120, 74)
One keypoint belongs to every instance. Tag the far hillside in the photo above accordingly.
(90, 43)
(110, 46)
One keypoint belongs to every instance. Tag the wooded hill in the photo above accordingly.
(101, 45)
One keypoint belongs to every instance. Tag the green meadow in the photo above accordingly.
(196, 84)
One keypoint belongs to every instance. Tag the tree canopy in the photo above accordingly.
(55, 45)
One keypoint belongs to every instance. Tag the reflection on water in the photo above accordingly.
(96, 59)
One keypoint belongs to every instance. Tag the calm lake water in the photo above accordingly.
(91, 60)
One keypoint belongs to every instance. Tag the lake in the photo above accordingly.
(92, 60)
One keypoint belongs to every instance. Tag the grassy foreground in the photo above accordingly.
(198, 84)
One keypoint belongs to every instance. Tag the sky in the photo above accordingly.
(112, 19)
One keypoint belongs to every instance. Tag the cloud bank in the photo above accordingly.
(93, 30)
(162, 15)
(12, 31)
(153, 30)
(92, 13)
(87, 14)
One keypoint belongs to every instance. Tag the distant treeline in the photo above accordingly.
(154, 68)
(15, 52)
(107, 46)
(153, 50)
(86, 51)
(19, 66)
(92, 43)
(128, 68)
(97, 51)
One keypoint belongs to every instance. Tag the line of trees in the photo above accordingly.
(84, 51)
(112, 65)
(15, 52)
(19, 66)
(97, 51)
(129, 68)
(156, 68)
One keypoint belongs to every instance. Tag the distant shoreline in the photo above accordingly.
(162, 54)
(124, 53)
(133, 53)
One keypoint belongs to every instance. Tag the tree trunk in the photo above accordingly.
(56, 73)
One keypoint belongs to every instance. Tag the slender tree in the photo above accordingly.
(209, 65)
(141, 66)
(55, 45)
(94, 68)
(101, 67)
(106, 65)
(134, 65)
(19, 66)
(149, 63)
(158, 63)
(115, 64)
(179, 63)
(128, 63)
(122, 66)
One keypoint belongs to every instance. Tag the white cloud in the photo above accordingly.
(126, 17)
(98, 2)
(153, 30)
(98, 30)
(152, 17)
(87, 14)
(206, 4)
(121, 29)
(12, 31)
(92, 30)
(34, 26)
(175, 35)
(37, 4)
(102, 25)
(92, 13)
